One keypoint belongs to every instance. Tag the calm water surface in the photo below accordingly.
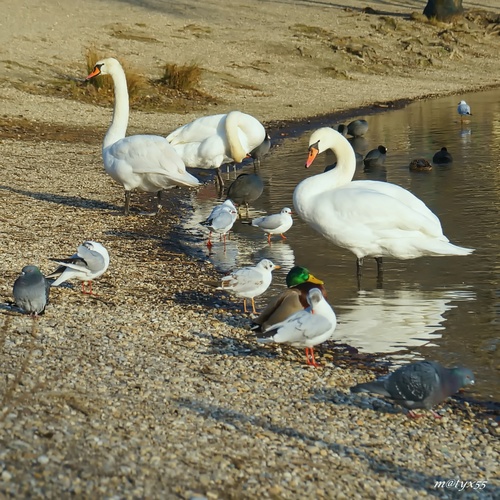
(443, 308)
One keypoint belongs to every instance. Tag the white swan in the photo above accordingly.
(210, 141)
(145, 162)
(369, 218)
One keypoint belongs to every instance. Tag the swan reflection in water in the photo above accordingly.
(395, 321)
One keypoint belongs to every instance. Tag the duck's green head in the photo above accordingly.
(298, 275)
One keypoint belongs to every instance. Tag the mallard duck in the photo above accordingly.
(299, 282)
(420, 165)
(305, 328)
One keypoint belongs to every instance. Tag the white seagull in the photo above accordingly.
(210, 141)
(221, 220)
(90, 261)
(305, 328)
(275, 224)
(145, 162)
(249, 282)
(369, 218)
(463, 109)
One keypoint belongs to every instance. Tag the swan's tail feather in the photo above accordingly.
(456, 250)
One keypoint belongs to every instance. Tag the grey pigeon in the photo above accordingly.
(31, 291)
(423, 384)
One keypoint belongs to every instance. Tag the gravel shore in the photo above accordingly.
(155, 388)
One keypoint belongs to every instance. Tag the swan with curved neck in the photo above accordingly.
(144, 162)
(369, 218)
(210, 141)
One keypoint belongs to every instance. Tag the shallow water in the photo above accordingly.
(442, 308)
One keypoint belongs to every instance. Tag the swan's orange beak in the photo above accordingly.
(313, 152)
(96, 71)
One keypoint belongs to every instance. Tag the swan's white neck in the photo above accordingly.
(342, 174)
(118, 127)
(237, 152)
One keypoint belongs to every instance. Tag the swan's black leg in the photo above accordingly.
(359, 271)
(380, 272)
(219, 178)
(126, 209)
(158, 198)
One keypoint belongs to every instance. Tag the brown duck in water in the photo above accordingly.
(420, 165)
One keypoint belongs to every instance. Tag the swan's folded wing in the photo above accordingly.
(197, 130)
(392, 214)
(149, 154)
(404, 196)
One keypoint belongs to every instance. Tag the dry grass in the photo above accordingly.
(173, 93)
(181, 77)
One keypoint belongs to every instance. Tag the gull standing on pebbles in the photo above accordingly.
(249, 282)
(145, 162)
(221, 220)
(275, 224)
(305, 328)
(463, 110)
(90, 261)
(31, 291)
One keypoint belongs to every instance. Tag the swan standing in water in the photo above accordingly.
(210, 141)
(145, 162)
(369, 218)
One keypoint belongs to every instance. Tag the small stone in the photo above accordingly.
(6, 476)
(43, 459)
